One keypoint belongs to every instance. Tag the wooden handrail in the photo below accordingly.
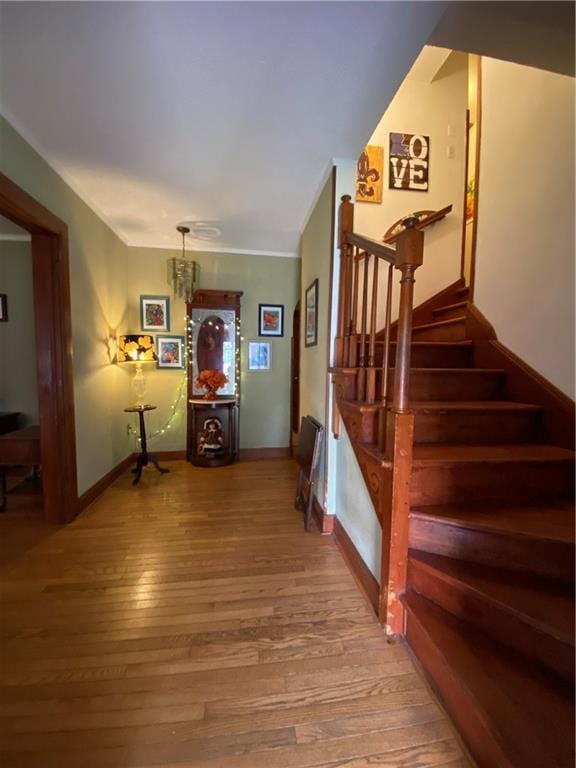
(431, 218)
(371, 247)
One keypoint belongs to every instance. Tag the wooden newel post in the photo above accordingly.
(399, 441)
(409, 256)
(345, 226)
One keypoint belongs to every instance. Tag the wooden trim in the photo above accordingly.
(523, 383)
(99, 487)
(254, 454)
(372, 246)
(358, 567)
(53, 348)
(466, 168)
(324, 521)
(170, 455)
(476, 182)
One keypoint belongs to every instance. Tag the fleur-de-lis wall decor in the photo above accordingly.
(369, 175)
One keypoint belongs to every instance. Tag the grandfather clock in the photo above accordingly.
(213, 320)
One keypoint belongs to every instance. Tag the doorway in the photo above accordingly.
(295, 379)
(51, 292)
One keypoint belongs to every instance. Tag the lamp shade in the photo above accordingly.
(136, 348)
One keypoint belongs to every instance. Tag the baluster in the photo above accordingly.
(361, 390)
(352, 362)
(385, 362)
(371, 372)
(346, 225)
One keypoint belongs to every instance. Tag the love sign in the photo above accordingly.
(408, 162)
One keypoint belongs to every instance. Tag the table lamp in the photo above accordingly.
(137, 348)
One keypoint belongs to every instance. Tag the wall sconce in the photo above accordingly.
(137, 349)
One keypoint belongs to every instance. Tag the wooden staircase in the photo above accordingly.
(474, 494)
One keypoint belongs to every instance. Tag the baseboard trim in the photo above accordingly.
(358, 567)
(324, 521)
(170, 455)
(253, 454)
(96, 490)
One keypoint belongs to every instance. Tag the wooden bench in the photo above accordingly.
(16, 448)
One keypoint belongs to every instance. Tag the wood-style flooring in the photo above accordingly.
(190, 621)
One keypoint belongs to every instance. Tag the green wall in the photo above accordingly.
(316, 256)
(265, 396)
(18, 381)
(98, 278)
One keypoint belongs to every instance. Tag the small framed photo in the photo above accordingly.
(170, 351)
(311, 327)
(259, 356)
(270, 320)
(155, 313)
(3, 308)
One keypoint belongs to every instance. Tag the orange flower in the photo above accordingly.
(211, 379)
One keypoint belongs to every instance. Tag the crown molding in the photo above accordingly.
(232, 251)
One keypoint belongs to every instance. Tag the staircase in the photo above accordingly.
(485, 577)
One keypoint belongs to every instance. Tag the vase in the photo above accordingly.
(210, 393)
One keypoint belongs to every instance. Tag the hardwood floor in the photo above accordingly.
(191, 622)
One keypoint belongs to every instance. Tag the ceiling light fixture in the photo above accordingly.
(182, 272)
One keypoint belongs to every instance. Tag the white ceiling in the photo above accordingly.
(223, 113)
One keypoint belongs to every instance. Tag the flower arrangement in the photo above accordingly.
(211, 381)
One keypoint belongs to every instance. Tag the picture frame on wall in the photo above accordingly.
(3, 308)
(271, 320)
(171, 352)
(259, 356)
(311, 317)
(155, 313)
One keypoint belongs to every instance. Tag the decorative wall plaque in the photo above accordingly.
(369, 172)
(408, 162)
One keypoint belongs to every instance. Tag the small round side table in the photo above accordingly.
(144, 457)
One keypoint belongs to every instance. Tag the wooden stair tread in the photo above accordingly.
(447, 307)
(528, 717)
(552, 522)
(441, 323)
(530, 599)
(431, 344)
(438, 406)
(445, 454)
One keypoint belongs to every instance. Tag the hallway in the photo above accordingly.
(191, 622)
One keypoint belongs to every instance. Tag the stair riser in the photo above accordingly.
(479, 482)
(549, 559)
(452, 332)
(422, 357)
(485, 427)
(448, 314)
(459, 702)
(454, 386)
(492, 618)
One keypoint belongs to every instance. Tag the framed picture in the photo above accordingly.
(3, 308)
(270, 320)
(155, 313)
(369, 172)
(311, 328)
(259, 356)
(170, 351)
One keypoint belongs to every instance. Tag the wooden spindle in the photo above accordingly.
(385, 362)
(345, 226)
(352, 362)
(371, 372)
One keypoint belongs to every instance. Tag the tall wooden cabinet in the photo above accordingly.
(213, 320)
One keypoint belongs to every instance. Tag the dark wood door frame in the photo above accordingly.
(53, 348)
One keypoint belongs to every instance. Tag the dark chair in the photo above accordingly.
(308, 458)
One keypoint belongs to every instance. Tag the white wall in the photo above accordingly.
(18, 380)
(525, 247)
(433, 109)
